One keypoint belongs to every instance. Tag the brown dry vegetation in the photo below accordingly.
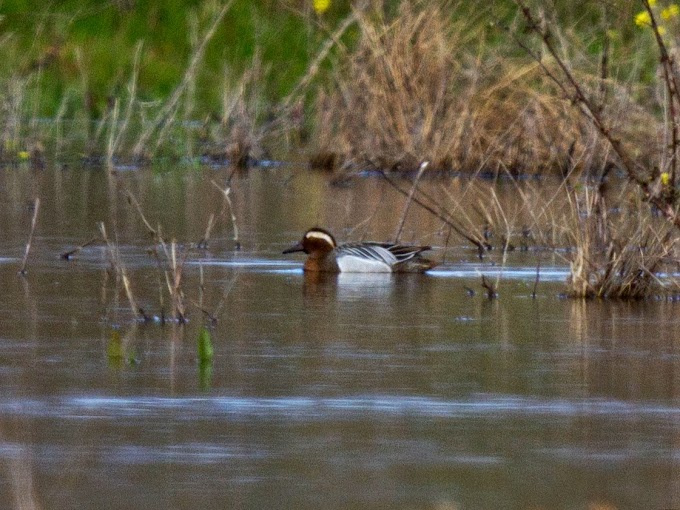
(413, 90)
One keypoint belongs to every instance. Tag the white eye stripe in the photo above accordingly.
(315, 234)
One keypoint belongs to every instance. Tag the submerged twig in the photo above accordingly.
(489, 287)
(68, 254)
(34, 221)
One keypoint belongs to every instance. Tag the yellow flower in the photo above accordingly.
(643, 18)
(665, 178)
(662, 30)
(671, 11)
(23, 155)
(652, 3)
(321, 6)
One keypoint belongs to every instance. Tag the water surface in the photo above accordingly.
(349, 391)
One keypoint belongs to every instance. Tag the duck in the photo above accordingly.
(325, 255)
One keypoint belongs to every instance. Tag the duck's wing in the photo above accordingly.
(370, 251)
(403, 253)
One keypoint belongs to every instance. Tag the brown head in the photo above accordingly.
(317, 243)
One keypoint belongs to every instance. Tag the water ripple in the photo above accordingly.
(305, 408)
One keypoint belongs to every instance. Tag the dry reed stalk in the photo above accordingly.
(614, 251)
(34, 221)
(120, 271)
(172, 275)
(437, 210)
(239, 135)
(411, 90)
(173, 280)
(155, 233)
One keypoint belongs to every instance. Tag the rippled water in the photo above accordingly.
(349, 391)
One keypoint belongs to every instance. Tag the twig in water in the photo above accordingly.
(154, 233)
(489, 287)
(68, 254)
(538, 275)
(203, 243)
(228, 204)
(34, 221)
(119, 269)
(409, 198)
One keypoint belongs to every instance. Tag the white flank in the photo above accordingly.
(352, 264)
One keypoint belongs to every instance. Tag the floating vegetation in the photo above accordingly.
(115, 353)
(204, 347)
(205, 353)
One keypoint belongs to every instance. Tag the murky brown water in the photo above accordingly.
(353, 391)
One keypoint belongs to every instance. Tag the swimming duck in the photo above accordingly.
(324, 254)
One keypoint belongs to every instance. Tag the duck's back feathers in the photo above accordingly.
(381, 257)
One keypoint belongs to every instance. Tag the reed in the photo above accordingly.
(417, 87)
(170, 264)
(120, 271)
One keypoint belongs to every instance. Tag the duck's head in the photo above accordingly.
(316, 241)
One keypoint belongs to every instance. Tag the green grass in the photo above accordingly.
(91, 44)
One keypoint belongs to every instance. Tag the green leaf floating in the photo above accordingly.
(205, 347)
(114, 350)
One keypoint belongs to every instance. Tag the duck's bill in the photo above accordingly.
(293, 249)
